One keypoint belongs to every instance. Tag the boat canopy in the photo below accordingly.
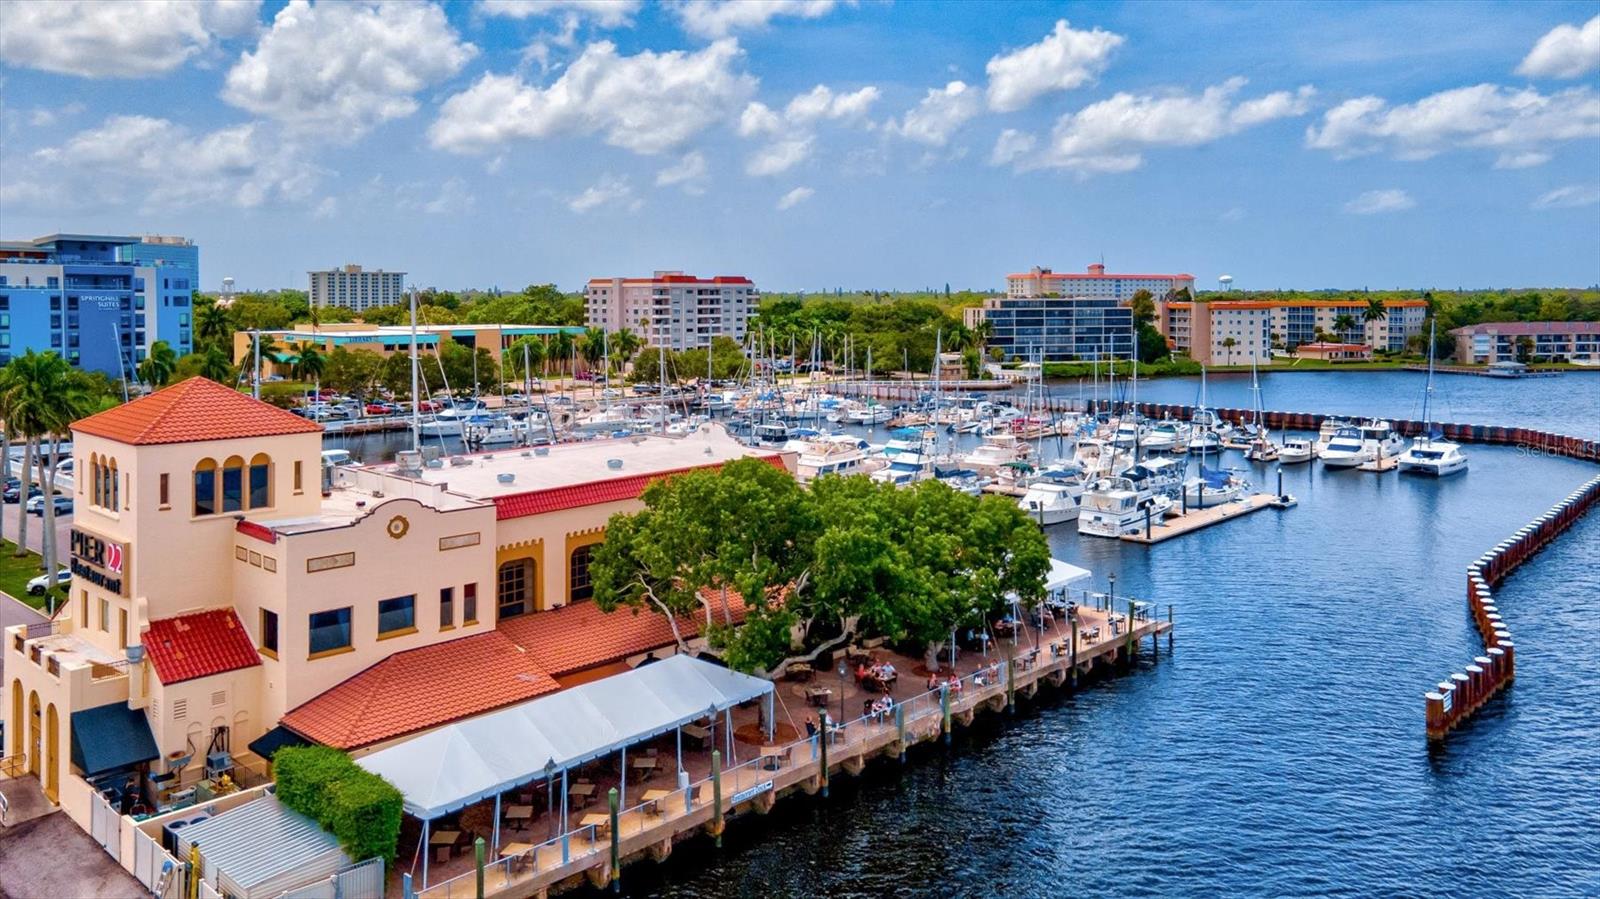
(452, 767)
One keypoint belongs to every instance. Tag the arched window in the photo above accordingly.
(115, 487)
(514, 593)
(205, 487)
(260, 481)
(233, 484)
(578, 575)
(94, 479)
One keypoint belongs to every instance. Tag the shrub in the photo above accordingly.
(361, 809)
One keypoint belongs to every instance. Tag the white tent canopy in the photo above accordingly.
(1063, 575)
(455, 766)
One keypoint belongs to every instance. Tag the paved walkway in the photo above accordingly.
(50, 856)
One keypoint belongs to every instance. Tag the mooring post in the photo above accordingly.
(1170, 628)
(900, 728)
(1073, 623)
(616, 845)
(822, 740)
(944, 708)
(477, 851)
(1132, 641)
(1011, 683)
(716, 788)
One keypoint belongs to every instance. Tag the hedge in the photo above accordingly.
(358, 807)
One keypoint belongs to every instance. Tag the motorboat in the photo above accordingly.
(1098, 457)
(1205, 431)
(1055, 496)
(1262, 449)
(770, 433)
(996, 451)
(1167, 436)
(1432, 456)
(1129, 433)
(1330, 427)
(905, 468)
(1157, 476)
(1383, 438)
(1115, 506)
(1348, 448)
(870, 413)
(1296, 450)
(961, 480)
(831, 454)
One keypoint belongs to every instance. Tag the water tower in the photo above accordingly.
(226, 298)
(1225, 283)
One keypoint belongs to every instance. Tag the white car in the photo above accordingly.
(63, 505)
(38, 585)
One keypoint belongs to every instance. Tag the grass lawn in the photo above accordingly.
(15, 574)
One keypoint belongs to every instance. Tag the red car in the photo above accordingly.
(429, 406)
(379, 408)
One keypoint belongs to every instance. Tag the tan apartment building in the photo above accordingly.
(673, 309)
(1235, 332)
(1093, 283)
(1491, 342)
(352, 287)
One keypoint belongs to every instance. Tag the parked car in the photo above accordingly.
(14, 492)
(38, 585)
(63, 505)
(377, 408)
(429, 406)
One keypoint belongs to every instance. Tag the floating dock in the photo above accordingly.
(1195, 519)
(1380, 464)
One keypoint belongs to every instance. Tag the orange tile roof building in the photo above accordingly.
(1220, 331)
(225, 585)
(673, 309)
(1095, 283)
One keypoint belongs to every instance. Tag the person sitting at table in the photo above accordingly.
(886, 672)
(861, 672)
(811, 727)
(933, 680)
(955, 684)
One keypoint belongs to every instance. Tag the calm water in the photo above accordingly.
(1279, 750)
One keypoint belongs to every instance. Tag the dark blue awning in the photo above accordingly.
(273, 740)
(111, 737)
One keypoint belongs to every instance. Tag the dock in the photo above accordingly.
(1195, 519)
(1381, 464)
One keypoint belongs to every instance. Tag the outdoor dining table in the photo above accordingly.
(521, 854)
(601, 822)
(697, 732)
(519, 815)
(772, 757)
(819, 696)
(651, 805)
(443, 844)
(582, 793)
(644, 764)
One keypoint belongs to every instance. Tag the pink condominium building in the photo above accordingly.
(673, 309)
(1095, 283)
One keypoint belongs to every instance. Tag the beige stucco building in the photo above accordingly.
(229, 590)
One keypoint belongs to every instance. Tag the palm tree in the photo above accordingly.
(213, 324)
(157, 368)
(529, 348)
(559, 349)
(41, 400)
(1228, 343)
(1375, 311)
(311, 363)
(1343, 325)
(215, 365)
(625, 344)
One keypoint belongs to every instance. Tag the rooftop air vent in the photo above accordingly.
(505, 477)
(526, 455)
(435, 463)
(488, 457)
(458, 461)
(613, 464)
(541, 451)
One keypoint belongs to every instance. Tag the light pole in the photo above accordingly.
(550, 793)
(1111, 601)
(843, 672)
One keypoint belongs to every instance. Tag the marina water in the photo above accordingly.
(1279, 749)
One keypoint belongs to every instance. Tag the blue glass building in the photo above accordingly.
(99, 301)
(1060, 329)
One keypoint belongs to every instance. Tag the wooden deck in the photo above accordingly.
(1045, 658)
(1195, 519)
(1381, 464)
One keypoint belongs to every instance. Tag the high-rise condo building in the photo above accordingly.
(673, 309)
(352, 287)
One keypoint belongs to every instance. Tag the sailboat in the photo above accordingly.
(1261, 448)
(1428, 453)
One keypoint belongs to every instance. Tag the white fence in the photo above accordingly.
(105, 825)
(155, 867)
(362, 881)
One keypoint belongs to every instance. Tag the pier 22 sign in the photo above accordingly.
(99, 561)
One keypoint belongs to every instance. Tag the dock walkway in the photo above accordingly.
(1195, 519)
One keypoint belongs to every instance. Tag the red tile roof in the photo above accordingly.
(198, 645)
(580, 636)
(592, 493)
(422, 688)
(189, 411)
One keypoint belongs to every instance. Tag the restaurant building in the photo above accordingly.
(230, 595)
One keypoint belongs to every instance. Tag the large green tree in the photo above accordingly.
(158, 367)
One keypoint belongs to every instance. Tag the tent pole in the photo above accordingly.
(497, 825)
(622, 792)
(565, 848)
(728, 716)
(427, 850)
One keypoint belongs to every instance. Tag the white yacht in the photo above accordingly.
(906, 468)
(1385, 442)
(1129, 432)
(1167, 436)
(1347, 448)
(1099, 458)
(1330, 427)
(1428, 454)
(1206, 430)
(1262, 449)
(1296, 450)
(870, 413)
(996, 451)
(1115, 506)
(1213, 488)
(770, 433)
(1055, 496)
(1157, 476)
(831, 454)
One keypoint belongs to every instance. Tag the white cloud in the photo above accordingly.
(1232, 214)
(1063, 60)
(719, 18)
(1377, 201)
(1112, 135)
(338, 69)
(647, 103)
(450, 198)
(104, 39)
(1567, 51)
(1011, 146)
(758, 118)
(794, 198)
(939, 114)
(610, 190)
(1570, 197)
(689, 173)
(778, 157)
(1524, 160)
(149, 161)
(1483, 116)
(45, 116)
(327, 209)
(605, 13)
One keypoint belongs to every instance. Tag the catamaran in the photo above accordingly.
(1429, 453)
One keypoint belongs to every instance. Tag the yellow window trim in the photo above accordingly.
(403, 632)
(330, 652)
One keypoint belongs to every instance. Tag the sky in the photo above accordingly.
(814, 144)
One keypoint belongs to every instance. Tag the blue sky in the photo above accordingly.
(813, 144)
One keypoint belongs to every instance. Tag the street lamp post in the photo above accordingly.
(843, 672)
(1111, 601)
(550, 792)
